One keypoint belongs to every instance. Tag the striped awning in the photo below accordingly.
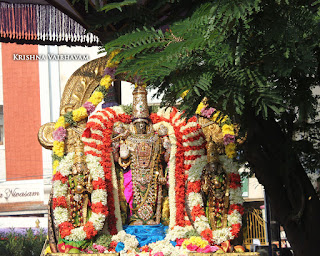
(41, 24)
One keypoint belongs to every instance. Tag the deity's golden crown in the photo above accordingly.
(140, 110)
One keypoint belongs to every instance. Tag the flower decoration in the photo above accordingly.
(79, 114)
(130, 241)
(195, 203)
(225, 124)
(196, 241)
(60, 206)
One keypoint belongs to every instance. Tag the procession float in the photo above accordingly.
(135, 180)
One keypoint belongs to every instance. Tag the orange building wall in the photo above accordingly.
(21, 107)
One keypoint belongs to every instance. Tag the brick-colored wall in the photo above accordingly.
(22, 120)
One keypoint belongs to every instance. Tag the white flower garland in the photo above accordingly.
(194, 199)
(228, 164)
(195, 171)
(65, 164)
(178, 232)
(59, 189)
(96, 170)
(234, 218)
(61, 215)
(165, 247)
(98, 195)
(236, 196)
(130, 241)
(201, 223)
(222, 235)
(77, 234)
(97, 220)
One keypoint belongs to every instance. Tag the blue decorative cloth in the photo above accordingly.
(147, 234)
(174, 243)
(119, 247)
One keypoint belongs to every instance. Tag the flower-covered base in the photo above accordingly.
(82, 254)
(190, 254)
(228, 254)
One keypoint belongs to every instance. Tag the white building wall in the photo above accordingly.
(53, 76)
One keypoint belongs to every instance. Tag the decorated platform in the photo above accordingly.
(190, 254)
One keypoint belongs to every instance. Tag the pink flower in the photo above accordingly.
(192, 247)
(207, 112)
(89, 107)
(100, 248)
(214, 248)
(179, 241)
(59, 134)
(159, 254)
(207, 249)
(228, 138)
(88, 251)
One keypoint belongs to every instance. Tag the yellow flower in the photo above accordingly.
(110, 63)
(195, 240)
(184, 94)
(54, 166)
(106, 81)
(215, 116)
(58, 148)
(143, 85)
(60, 123)
(79, 114)
(200, 107)
(230, 150)
(225, 119)
(48, 250)
(227, 129)
(96, 98)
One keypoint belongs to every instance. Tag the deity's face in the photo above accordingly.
(141, 127)
(78, 168)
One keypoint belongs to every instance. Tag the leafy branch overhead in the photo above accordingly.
(225, 46)
(246, 56)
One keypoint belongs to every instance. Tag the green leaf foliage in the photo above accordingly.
(247, 56)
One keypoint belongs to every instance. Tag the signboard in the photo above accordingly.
(11, 192)
(245, 187)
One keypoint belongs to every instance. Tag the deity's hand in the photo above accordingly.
(124, 151)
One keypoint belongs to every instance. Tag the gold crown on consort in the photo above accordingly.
(79, 156)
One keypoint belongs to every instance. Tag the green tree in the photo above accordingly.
(258, 61)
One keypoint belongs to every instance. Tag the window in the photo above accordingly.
(1, 125)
